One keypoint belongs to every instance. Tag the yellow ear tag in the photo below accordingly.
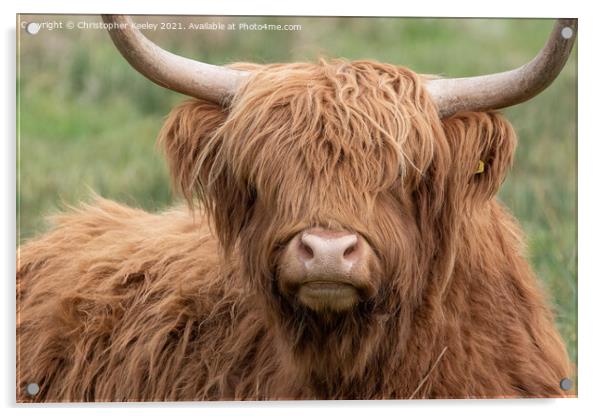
(481, 167)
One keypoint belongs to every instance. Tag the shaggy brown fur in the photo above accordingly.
(119, 304)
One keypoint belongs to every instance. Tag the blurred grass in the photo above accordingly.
(88, 121)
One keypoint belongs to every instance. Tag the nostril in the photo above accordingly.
(350, 250)
(305, 250)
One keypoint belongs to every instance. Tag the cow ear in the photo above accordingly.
(482, 147)
(186, 139)
(193, 146)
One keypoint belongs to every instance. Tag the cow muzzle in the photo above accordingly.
(327, 270)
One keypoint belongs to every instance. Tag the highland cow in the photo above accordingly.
(339, 242)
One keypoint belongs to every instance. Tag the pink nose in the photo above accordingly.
(325, 252)
(328, 270)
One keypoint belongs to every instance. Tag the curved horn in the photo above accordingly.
(197, 79)
(504, 89)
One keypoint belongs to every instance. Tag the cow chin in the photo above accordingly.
(327, 271)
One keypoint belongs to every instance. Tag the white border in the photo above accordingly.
(589, 193)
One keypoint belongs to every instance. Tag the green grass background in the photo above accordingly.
(88, 121)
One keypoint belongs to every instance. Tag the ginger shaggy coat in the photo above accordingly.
(117, 304)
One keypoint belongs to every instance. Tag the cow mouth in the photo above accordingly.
(333, 295)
